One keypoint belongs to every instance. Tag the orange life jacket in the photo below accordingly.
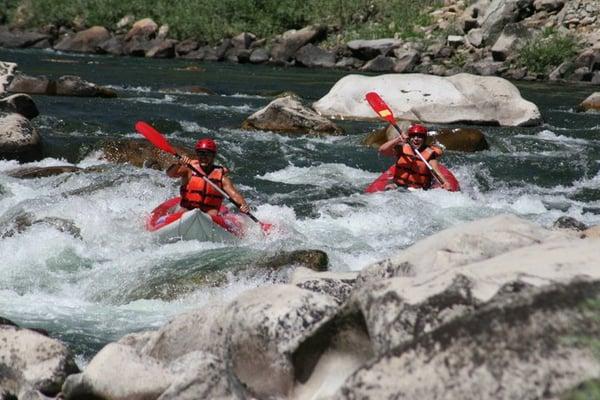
(199, 194)
(411, 171)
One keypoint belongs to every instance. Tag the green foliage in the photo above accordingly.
(589, 390)
(546, 50)
(214, 19)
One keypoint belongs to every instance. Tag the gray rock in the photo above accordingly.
(200, 375)
(138, 46)
(475, 37)
(113, 46)
(592, 102)
(548, 5)
(32, 361)
(266, 326)
(513, 347)
(369, 49)
(20, 104)
(380, 64)
(313, 56)
(407, 59)
(392, 321)
(71, 85)
(244, 40)
(144, 29)
(17, 135)
(32, 85)
(186, 46)
(285, 46)
(7, 72)
(561, 71)
(513, 37)
(20, 39)
(87, 41)
(259, 56)
(502, 12)
(119, 372)
(162, 49)
(349, 63)
(484, 67)
(288, 114)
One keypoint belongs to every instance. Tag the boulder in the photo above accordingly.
(30, 360)
(512, 38)
(162, 49)
(113, 46)
(285, 46)
(244, 40)
(432, 99)
(316, 260)
(259, 56)
(7, 72)
(186, 46)
(513, 347)
(565, 222)
(32, 85)
(42, 172)
(87, 41)
(17, 136)
(502, 12)
(466, 246)
(407, 59)
(71, 85)
(144, 28)
(369, 49)
(380, 64)
(21, 39)
(548, 5)
(23, 221)
(138, 46)
(20, 104)
(475, 37)
(313, 56)
(592, 102)
(140, 153)
(288, 114)
(266, 327)
(119, 372)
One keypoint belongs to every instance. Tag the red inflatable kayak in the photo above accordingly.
(380, 183)
(170, 222)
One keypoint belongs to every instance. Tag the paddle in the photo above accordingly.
(382, 109)
(158, 140)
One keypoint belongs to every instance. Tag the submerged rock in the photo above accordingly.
(42, 172)
(139, 153)
(289, 115)
(24, 220)
(432, 99)
(21, 104)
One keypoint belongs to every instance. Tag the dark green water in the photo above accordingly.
(110, 282)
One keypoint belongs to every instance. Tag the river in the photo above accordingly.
(116, 278)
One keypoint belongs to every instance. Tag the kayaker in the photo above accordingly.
(411, 171)
(195, 192)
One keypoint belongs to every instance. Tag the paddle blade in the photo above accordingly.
(154, 136)
(380, 107)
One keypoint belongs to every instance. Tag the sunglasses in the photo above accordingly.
(205, 153)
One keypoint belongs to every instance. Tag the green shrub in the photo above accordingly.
(547, 50)
(214, 19)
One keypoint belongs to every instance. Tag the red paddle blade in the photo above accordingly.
(380, 107)
(266, 228)
(154, 136)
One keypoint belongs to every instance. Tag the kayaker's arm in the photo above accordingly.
(388, 148)
(230, 189)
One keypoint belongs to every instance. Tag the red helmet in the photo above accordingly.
(417, 130)
(206, 144)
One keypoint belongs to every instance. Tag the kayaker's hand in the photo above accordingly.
(184, 160)
(244, 208)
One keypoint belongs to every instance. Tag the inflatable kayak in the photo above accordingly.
(171, 222)
(380, 183)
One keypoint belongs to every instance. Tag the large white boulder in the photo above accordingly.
(433, 99)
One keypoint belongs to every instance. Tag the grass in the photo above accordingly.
(547, 50)
(211, 20)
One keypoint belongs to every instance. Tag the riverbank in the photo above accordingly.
(518, 40)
